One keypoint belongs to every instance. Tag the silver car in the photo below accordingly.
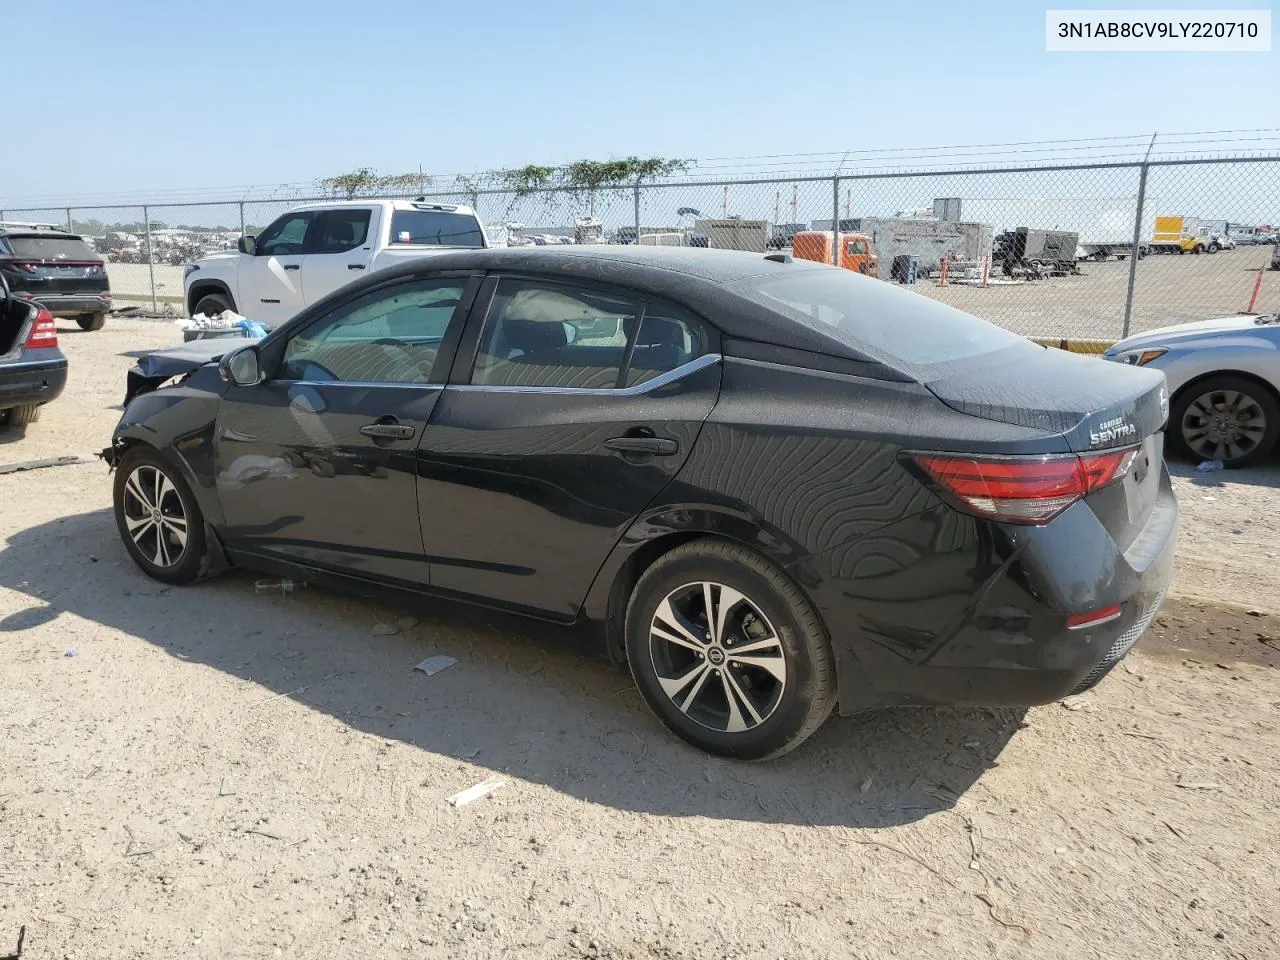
(1224, 384)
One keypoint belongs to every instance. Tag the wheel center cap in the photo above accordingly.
(155, 514)
(715, 656)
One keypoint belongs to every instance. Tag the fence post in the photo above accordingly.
(835, 221)
(242, 218)
(637, 210)
(151, 258)
(1137, 245)
(71, 227)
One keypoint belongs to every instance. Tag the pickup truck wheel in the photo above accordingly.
(211, 304)
(21, 416)
(91, 321)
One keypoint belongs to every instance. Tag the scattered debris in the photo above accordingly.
(383, 630)
(17, 953)
(433, 665)
(1075, 703)
(475, 793)
(1195, 785)
(282, 587)
(49, 462)
(1236, 530)
(1257, 613)
(1209, 466)
(73, 652)
(991, 909)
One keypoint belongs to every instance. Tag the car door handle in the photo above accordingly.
(293, 266)
(652, 446)
(355, 266)
(388, 431)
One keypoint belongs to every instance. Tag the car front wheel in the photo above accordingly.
(728, 653)
(1225, 418)
(158, 519)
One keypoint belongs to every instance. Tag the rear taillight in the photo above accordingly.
(25, 267)
(1022, 489)
(43, 332)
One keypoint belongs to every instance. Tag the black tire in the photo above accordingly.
(91, 321)
(1214, 248)
(1256, 397)
(1198, 249)
(21, 416)
(797, 704)
(211, 304)
(193, 561)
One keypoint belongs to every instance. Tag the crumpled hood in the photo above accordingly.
(155, 368)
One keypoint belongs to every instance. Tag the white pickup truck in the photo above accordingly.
(309, 252)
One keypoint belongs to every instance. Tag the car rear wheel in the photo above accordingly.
(728, 653)
(21, 416)
(158, 519)
(1225, 418)
(211, 304)
(91, 321)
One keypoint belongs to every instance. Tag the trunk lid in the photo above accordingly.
(1091, 403)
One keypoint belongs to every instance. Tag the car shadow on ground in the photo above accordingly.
(545, 711)
(1264, 474)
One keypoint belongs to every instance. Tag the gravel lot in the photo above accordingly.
(1167, 290)
(221, 774)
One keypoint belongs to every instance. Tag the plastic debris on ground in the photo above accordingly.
(282, 587)
(73, 652)
(227, 323)
(1209, 466)
(475, 793)
(433, 665)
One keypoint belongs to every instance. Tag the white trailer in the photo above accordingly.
(1104, 224)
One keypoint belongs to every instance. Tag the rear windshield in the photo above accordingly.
(887, 323)
(50, 248)
(435, 228)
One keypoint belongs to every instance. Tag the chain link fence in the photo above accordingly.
(1088, 251)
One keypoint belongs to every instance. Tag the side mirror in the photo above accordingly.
(247, 245)
(241, 368)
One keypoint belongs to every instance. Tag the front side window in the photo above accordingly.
(857, 247)
(285, 236)
(551, 335)
(386, 336)
(337, 231)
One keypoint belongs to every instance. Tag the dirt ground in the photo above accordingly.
(207, 772)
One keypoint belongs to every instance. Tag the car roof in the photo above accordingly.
(30, 232)
(708, 281)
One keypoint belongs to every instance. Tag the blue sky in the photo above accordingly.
(171, 96)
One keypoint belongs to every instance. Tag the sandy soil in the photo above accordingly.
(216, 773)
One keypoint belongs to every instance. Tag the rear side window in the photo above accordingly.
(557, 335)
(50, 248)
(435, 228)
(337, 231)
(896, 327)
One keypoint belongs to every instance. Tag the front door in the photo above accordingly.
(316, 465)
(581, 404)
(269, 283)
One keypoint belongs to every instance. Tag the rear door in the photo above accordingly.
(570, 407)
(316, 465)
(339, 248)
(269, 283)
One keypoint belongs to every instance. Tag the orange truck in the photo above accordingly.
(855, 250)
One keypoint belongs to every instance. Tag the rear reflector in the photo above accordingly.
(43, 333)
(1094, 619)
(1022, 489)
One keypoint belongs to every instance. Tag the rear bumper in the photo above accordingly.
(984, 622)
(38, 377)
(71, 304)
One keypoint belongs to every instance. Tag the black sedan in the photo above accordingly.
(767, 486)
(33, 370)
(55, 270)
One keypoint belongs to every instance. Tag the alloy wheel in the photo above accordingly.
(154, 516)
(717, 657)
(1223, 425)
